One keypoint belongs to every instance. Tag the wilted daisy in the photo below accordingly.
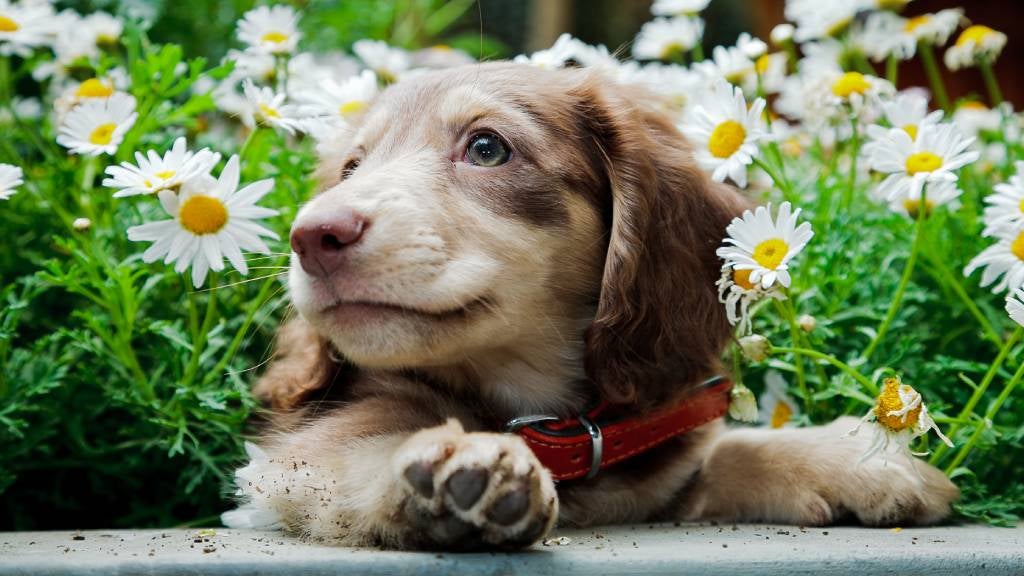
(1006, 206)
(272, 29)
(755, 347)
(936, 194)
(667, 38)
(212, 220)
(1003, 262)
(976, 43)
(934, 156)
(725, 132)
(900, 417)
(778, 409)
(387, 61)
(154, 173)
(268, 108)
(10, 179)
(342, 101)
(765, 246)
(738, 293)
(678, 7)
(24, 27)
(1015, 306)
(98, 126)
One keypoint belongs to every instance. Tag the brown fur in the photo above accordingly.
(581, 270)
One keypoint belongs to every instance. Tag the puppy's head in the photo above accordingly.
(487, 210)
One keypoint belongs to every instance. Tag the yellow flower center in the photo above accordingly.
(165, 175)
(792, 147)
(973, 106)
(93, 88)
(850, 83)
(891, 4)
(838, 27)
(742, 279)
(203, 215)
(350, 108)
(974, 35)
(671, 51)
(8, 25)
(1018, 247)
(762, 64)
(726, 139)
(269, 112)
(916, 22)
(442, 47)
(889, 401)
(103, 134)
(274, 37)
(911, 130)
(771, 252)
(913, 207)
(1022, 206)
(781, 414)
(923, 162)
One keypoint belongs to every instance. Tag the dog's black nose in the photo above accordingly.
(321, 243)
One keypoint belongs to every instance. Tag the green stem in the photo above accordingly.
(851, 371)
(979, 392)
(908, 270)
(892, 69)
(697, 54)
(199, 339)
(995, 95)
(949, 279)
(851, 186)
(778, 178)
(256, 304)
(990, 414)
(788, 312)
(931, 68)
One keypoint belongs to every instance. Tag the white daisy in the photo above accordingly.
(212, 220)
(778, 410)
(738, 293)
(884, 34)
(272, 29)
(388, 62)
(973, 117)
(1003, 262)
(344, 101)
(152, 173)
(255, 64)
(104, 29)
(821, 18)
(934, 28)
(863, 93)
(678, 7)
(563, 50)
(752, 47)
(900, 417)
(782, 33)
(10, 179)
(1006, 206)
(268, 108)
(24, 27)
(936, 194)
(98, 126)
(1015, 306)
(976, 43)
(765, 246)
(728, 62)
(667, 38)
(676, 83)
(934, 156)
(725, 132)
(909, 112)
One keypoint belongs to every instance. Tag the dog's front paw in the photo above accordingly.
(895, 489)
(470, 490)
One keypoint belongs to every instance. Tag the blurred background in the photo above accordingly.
(503, 28)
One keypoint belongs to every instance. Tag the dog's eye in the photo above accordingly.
(349, 168)
(488, 150)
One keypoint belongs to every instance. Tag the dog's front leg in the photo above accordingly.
(346, 480)
(814, 476)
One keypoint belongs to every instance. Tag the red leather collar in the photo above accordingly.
(579, 447)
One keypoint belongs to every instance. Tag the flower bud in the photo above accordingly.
(807, 323)
(755, 347)
(782, 33)
(81, 224)
(742, 404)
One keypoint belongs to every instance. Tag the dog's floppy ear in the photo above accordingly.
(659, 326)
(302, 364)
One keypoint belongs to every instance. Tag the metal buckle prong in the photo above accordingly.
(515, 424)
(597, 445)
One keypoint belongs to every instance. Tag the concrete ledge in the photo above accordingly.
(643, 549)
